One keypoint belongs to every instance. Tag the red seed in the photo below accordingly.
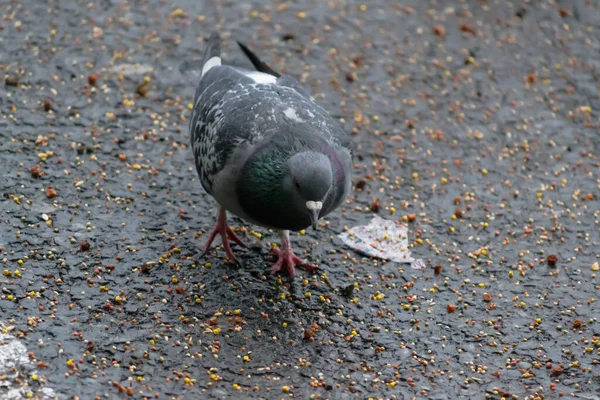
(451, 308)
(84, 246)
(411, 217)
(36, 171)
(557, 371)
(439, 30)
(437, 269)
(50, 192)
(375, 206)
(551, 260)
(92, 79)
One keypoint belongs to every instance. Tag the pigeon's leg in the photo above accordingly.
(226, 233)
(287, 259)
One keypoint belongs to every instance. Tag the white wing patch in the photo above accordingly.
(261, 77)
(291, 114)
(213, 62)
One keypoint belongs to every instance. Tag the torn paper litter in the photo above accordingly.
(382, 238)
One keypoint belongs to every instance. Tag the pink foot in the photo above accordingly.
(226, 233)
(287, 259)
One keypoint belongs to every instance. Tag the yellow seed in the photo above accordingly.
(484, 171)
(284, 324)
(285, 389)
(216, 331)
(20, 262)
(254, 14)
(70, 363)
(237, 312)
(140, 378)
(392, 210)
(444, 181)
(406, 307)
(303, 232)
(236, 386)
(49, 222)
(375, 117)
(538, 320)
(7, 273)
(301, 15)
(540, 195)
(152, 342)
(174, 280)
(415, 175)
(308, 295)
(510, 274)
(34, 377)
(9, 297)
(522, 304)
(451, 229)
(363, 7)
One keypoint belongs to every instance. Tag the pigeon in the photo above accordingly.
(266, 152)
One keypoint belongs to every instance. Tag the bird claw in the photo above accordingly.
(221, 228)
(288, 260)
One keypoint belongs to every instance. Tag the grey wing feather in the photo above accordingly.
(208, 119)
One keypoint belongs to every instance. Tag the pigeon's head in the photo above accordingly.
(307, 183)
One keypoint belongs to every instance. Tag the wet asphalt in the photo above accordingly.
(474, 123)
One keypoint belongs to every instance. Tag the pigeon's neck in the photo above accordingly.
(259, 187)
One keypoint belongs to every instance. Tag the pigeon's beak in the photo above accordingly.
(314, 207)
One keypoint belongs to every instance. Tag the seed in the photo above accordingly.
(451, 308)
(92, 79)
(551, 260)
(36, 171)
(437, 269)
(50, 192)
(47, 105)
(84, 246)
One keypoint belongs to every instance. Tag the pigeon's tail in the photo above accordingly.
(258, 64)
(212, 54)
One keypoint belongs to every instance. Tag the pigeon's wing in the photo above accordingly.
(212, 134)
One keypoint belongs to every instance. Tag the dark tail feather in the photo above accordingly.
(258, 64)
(213, 47)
